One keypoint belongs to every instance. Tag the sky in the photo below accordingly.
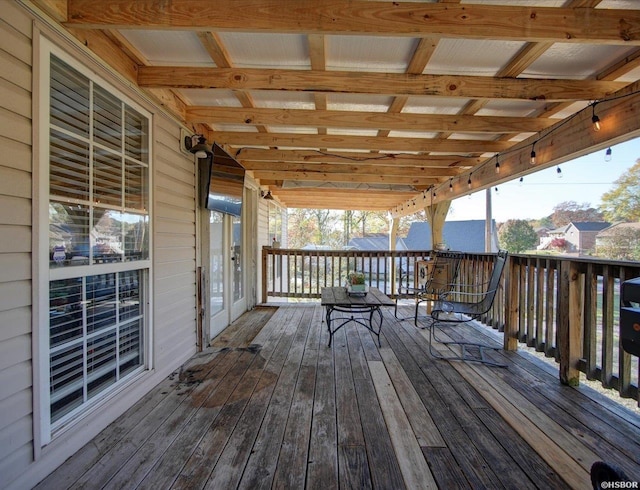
(584, 180)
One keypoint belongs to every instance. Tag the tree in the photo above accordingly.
(621, 243)
(516, 235)
(622, 203)
(568, 211)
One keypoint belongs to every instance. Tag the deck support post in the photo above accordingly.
(569, 327)
(436, 214)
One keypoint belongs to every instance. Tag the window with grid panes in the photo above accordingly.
(98, 239)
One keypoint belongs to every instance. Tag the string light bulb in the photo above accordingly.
(559, 172)
(595, 119)
(497, 165)
(607, 155)
(469, 182)
(450, 185)
(532, 159)
(521, 181)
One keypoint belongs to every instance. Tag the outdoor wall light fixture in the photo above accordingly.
(267, 195)
(197, 144)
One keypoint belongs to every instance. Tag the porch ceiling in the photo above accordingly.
(368, 104)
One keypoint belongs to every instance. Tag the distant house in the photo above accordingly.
(374, 242)
(464, 236)
(377, 241)
(621, 238)
(580, 236)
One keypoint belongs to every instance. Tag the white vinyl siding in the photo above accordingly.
(175, 251)
(16, 394)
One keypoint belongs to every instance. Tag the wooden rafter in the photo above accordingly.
(547, 24)
(374, 83)
(367, 120)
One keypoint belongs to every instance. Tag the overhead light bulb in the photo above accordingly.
(532, 159)
(595, 119)
(607, 155)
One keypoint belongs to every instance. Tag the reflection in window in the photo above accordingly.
(98, 218)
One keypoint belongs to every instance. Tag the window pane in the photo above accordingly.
(106, 236)
(101, 302)
(107, 119)
(136, 236)
(101, 362)
(136, 186)
(130, 346)
(68, 234)
(216, 264)
(65, 311)
(136, 138)
(107, 178)
(69, 99)
(129, 292)
(68, 167)
(66, 380)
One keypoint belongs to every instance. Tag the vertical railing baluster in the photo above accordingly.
(607, 327)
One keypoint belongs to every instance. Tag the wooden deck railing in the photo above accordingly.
(567, 308)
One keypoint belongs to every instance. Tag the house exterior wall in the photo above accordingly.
(16, 382)
(24, 461)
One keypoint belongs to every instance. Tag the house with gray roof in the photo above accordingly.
(465, 236)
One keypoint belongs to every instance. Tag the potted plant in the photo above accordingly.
(356, 281)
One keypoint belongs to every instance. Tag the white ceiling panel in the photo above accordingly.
(474, 136)
(165, 48)
(511, 108)
(471, 57)
(213, 97)
(358, 102)
(434, 105)
(575, 61)
(278, 99)
(352, 132)
(412, 134)
(369, 53)
(258, 50)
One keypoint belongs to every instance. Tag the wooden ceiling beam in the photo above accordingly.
(348, 177)
(396, 84)
(366, 120)
(457, 146)
(350, 168)
(541, 24)
(306, 156)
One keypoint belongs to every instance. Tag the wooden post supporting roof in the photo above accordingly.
(436, 214)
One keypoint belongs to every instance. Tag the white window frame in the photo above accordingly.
(44, 274)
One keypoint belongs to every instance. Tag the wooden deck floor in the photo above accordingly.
(287, 412)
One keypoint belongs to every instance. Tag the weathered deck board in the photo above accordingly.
(289, 412)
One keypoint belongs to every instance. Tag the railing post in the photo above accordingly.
(569, 323)
(512, 306)
(264, 275)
